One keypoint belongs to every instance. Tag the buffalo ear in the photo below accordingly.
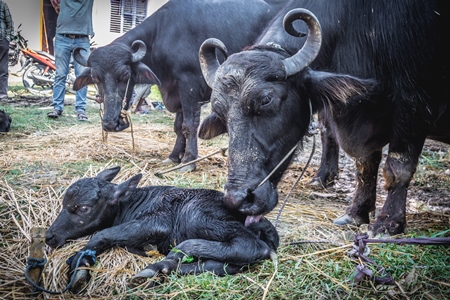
(108, 174)
(331, 88)
(144, 74)
(211, 127)
(125, 189)
(83, 79)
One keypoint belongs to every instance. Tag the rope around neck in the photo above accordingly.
(312, 131)
(124, 114)
(295, 183)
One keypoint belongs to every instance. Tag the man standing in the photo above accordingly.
(73, 28)
(6, 36)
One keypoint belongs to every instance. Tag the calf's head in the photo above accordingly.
(263, 98)
(89, 205)
(5, 121)
(115, 69)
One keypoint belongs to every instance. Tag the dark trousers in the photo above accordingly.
(4, 50)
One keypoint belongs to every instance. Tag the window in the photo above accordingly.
(127, 14)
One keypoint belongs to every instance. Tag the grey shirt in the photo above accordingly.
(75, 17)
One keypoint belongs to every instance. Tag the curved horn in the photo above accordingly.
(78, 57)
(140, 53)
(208, 59)
(311, 48)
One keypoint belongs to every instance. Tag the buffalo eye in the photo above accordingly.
(124, 76)
(266, 100)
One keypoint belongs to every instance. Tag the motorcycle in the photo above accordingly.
(15, 54)
(38, 69)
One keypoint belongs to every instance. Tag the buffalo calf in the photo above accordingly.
(5, 121)
(191, 226)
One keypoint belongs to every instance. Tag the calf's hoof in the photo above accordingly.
(346, 219)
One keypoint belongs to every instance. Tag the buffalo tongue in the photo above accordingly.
(252, 219)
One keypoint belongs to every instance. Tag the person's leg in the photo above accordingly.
(62, 59)
(4, 50)
(80, 103)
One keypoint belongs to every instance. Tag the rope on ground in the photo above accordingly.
(221, 150)
(34, 263)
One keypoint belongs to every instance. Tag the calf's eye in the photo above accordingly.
(84, 209)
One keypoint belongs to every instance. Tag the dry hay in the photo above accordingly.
(307, 215)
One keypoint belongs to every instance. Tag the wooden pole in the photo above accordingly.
(37, 252)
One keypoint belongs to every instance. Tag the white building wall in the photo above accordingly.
(28, 13)
(101, 18)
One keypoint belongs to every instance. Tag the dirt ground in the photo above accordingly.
(305, 212)
(429, 191)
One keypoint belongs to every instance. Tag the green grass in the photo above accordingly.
(33, 119)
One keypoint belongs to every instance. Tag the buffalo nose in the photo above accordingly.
(234, 199)
(109, 126)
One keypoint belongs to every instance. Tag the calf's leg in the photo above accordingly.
(220, 258)
(133, 235)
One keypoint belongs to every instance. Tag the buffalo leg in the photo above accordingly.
(190, 127)
(180, 143)
(399, 169)
(365, 194)
(328, 169)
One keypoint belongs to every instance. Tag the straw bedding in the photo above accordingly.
(34, 199)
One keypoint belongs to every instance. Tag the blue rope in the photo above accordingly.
(35, 263)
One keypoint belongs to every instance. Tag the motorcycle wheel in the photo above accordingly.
(37, 81)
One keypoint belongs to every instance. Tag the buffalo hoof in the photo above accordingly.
(188, 168)
(385, 226)
(317, 183)
(374, 235)
(80, 281)
(147, 278)
(168, 161)
(348, 220)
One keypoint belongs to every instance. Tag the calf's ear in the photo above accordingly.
(83, 79)
(108, 174)
(125, 189)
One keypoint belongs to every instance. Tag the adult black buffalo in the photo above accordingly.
(193, 224)
(166, 45)
(263, 96)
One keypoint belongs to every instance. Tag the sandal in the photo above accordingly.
(81, 116)
(54, 113)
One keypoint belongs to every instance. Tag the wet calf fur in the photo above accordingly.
(181, 223)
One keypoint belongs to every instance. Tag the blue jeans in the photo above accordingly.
(63, 56)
